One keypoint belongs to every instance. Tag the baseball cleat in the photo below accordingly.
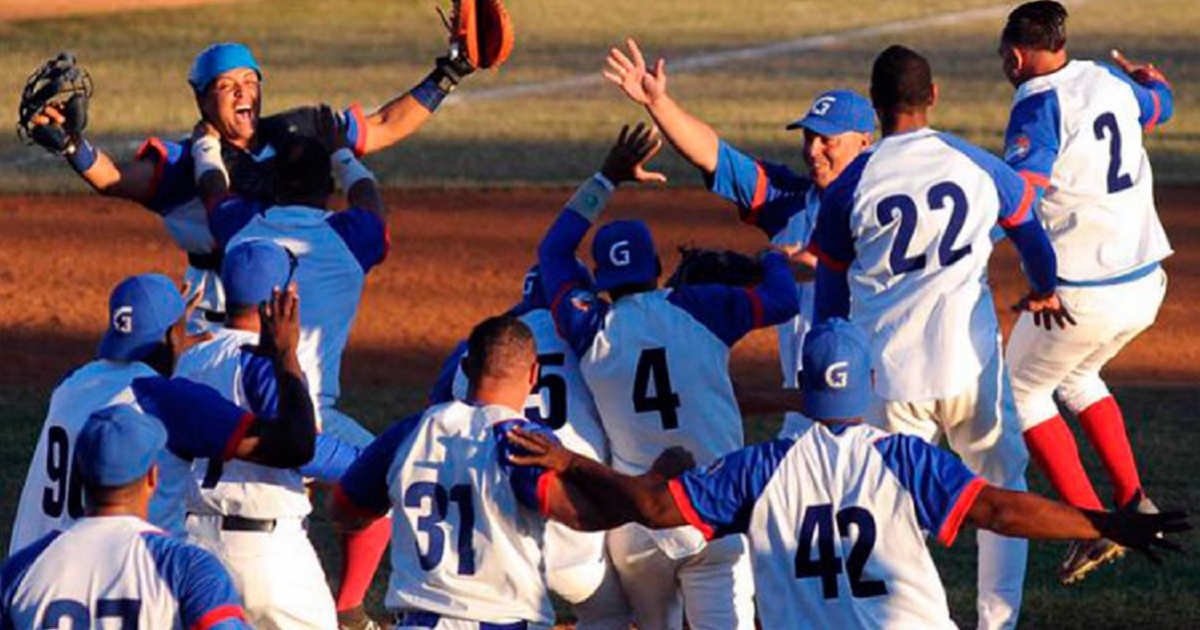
(1085, 556)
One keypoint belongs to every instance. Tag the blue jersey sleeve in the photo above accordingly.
(732, 312)
(767, 195)
(578, 312)
(443, 387)
(528, 482)
(719, 499)
(1031, 142)
(199, 583)
(365, 484)
(259, 384)
(333, 457)
(833, 244)
(942, 488)
(229, 216)
(1156, 103)
(365, 233)
(173, 182)
(353, 123)
(200, 422)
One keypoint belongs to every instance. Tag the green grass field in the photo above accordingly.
(1131, 594)
(340, 52)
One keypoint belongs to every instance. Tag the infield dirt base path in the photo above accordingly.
(457, 256)
(13, 10)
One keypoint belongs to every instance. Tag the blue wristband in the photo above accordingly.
(429, 92)
(83, 157)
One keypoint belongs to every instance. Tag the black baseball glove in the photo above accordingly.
(715, 266)
(64, 86)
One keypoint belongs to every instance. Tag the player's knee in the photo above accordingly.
(1032, 412)
(1080, 393)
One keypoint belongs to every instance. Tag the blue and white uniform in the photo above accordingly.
(837, 518)
(468, 524)
(657, 365)
(903, 242)
(1077, 134)
(335, 250)
(116, 572)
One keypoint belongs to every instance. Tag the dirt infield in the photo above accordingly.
(456, 257)
(17, 10)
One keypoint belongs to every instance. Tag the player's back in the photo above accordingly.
(52, 498)
(920, 207)
(660, 378)
(464, 546)
(115, 570)
(1098, 209)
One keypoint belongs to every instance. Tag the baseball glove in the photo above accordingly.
(481, 33)
(62, 84)
(715, 266)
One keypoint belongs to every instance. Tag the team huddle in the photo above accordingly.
(588, 442)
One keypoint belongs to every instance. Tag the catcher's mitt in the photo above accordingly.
(62, 84)
(715, 266)
(481, 33)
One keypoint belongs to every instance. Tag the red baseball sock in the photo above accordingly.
(1053, 449)
(361, 553)
(1105, 429)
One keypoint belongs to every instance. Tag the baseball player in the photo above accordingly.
(1076, 133)
(113, 565)
(577, 566)
(147, 317)
(467, 522)
(773, 197)
(836, 515)
(656, 362)
(226, 81)
(903, 242)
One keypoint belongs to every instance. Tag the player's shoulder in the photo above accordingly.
(314, 121)
(20, 561)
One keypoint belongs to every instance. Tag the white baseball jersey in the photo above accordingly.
(335, 250)
(467, 531)
(1077, 133)
(837, 518)
(908, 222)
(52, 498)
(240, 488)
(116, 572)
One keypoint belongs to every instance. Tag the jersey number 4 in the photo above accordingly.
(652, 374)
(439, 499)
(66, 490)
(816, 530)
(946, 195)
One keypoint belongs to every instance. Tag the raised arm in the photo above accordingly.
(1155, 98)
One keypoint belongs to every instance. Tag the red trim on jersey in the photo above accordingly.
(558, 298)
(160, 150)
(543, 491)
(1037, 180)
(826, 259)
(760, 196)
(217, 615)
(756, 306)
(239, 432)
(958, 513)
(1018, 217)
(684, 503)
(1153, 122)
(387, 240)
(345, 505)
(360, 120)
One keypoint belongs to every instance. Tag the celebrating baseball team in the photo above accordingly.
(588, 442)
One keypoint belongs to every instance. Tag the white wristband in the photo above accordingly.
(206, 153)
(591, 197)
(348, 170)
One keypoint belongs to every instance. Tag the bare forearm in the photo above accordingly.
(615, 499)
(395, 121)
(693, 138)
(1027, 515)
(289, 441)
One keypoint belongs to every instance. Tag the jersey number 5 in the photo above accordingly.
(66, 491)
(817, 527)
(553, 389)
(652, 370)
(941, 196)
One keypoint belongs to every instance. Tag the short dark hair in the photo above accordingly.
(1040, 25)
(901, 81)
(302, 170)
(499, 347)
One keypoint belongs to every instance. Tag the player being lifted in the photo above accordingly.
(903, 242)
(773, 197)
(1076, 134)
(836, 515)
(656, 362)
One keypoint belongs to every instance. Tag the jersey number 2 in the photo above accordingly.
(431, 524)
(817, 530)
(1106, 125)
(66, 491)
(652, 370)
(941, 196)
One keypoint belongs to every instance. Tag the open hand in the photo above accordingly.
(539, 450)
(626, 161)
(1047, 310)
(280, 321)
(178, 338)
(1139, 72)
(629, 72)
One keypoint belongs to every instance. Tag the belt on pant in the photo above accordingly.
(423, 619)
(244, 524)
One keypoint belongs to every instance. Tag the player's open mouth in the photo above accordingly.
(244, 113)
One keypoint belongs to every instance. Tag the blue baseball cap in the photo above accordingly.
(117, 446)
(140, 311)
(837, 371)
(219, 59)
(624, 254)
(252, 269)
(837, 112)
